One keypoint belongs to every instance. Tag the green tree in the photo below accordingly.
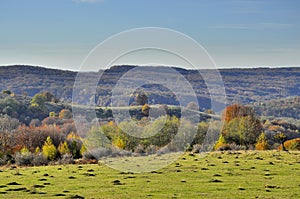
(38, 101)
(49, 150)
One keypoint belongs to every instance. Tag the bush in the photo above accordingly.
(39, 160)
(24, 159)
(236, 147)
(196, 148)
(97, 153)
(151, 149)
(292, 145)
(66, 159)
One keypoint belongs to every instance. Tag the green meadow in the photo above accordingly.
(230, 174)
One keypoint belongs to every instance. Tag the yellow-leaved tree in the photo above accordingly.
(49, 150)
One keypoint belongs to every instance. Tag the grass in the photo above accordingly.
(250, 174)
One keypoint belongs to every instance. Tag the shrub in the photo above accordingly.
(236, 147)
(139, 149)
(97, 153)
(196, 148)
(24, 159)
(151, 149)
(66, 159)
(65, 114)
(49, 150)
(293, 144)
(39, 160)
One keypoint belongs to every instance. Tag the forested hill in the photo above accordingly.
(242, 85)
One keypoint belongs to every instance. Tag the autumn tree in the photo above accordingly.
(65, 114)
(145, 110)
(49, 150)
(262, 142)
(241, 126)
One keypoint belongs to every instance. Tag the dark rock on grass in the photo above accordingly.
(158, 172)
(17, 189)
(13, 183)
(259, 158)
(225, 162)
(43, 179)
(59, 194)
(178, 170)
(90, 170)
(183, 180)
(204, 169)
(212, 165)
(117, 182)
(47, 183)
(38, 186)
(272, 187)
(66, 191)
(271, 163)
(215, 180)
(217, 175)
(3, 192)
(241, 188)
(130, 177)
(89, 174)
(1, 186)
(46, 174)
(71, 177)
(75, 197)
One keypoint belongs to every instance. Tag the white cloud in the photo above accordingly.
(88, 1)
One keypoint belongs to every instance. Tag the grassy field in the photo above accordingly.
(250, 174)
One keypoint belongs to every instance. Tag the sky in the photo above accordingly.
(236, 33)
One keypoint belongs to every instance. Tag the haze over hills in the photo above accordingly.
(241, 85)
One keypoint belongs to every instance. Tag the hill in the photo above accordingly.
(244, 86)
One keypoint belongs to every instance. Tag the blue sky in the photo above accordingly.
(236, 33)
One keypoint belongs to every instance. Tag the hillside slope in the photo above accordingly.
(241, 85)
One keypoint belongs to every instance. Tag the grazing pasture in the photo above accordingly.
(230, 174)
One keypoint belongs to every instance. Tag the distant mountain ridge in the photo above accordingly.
(245, 86)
